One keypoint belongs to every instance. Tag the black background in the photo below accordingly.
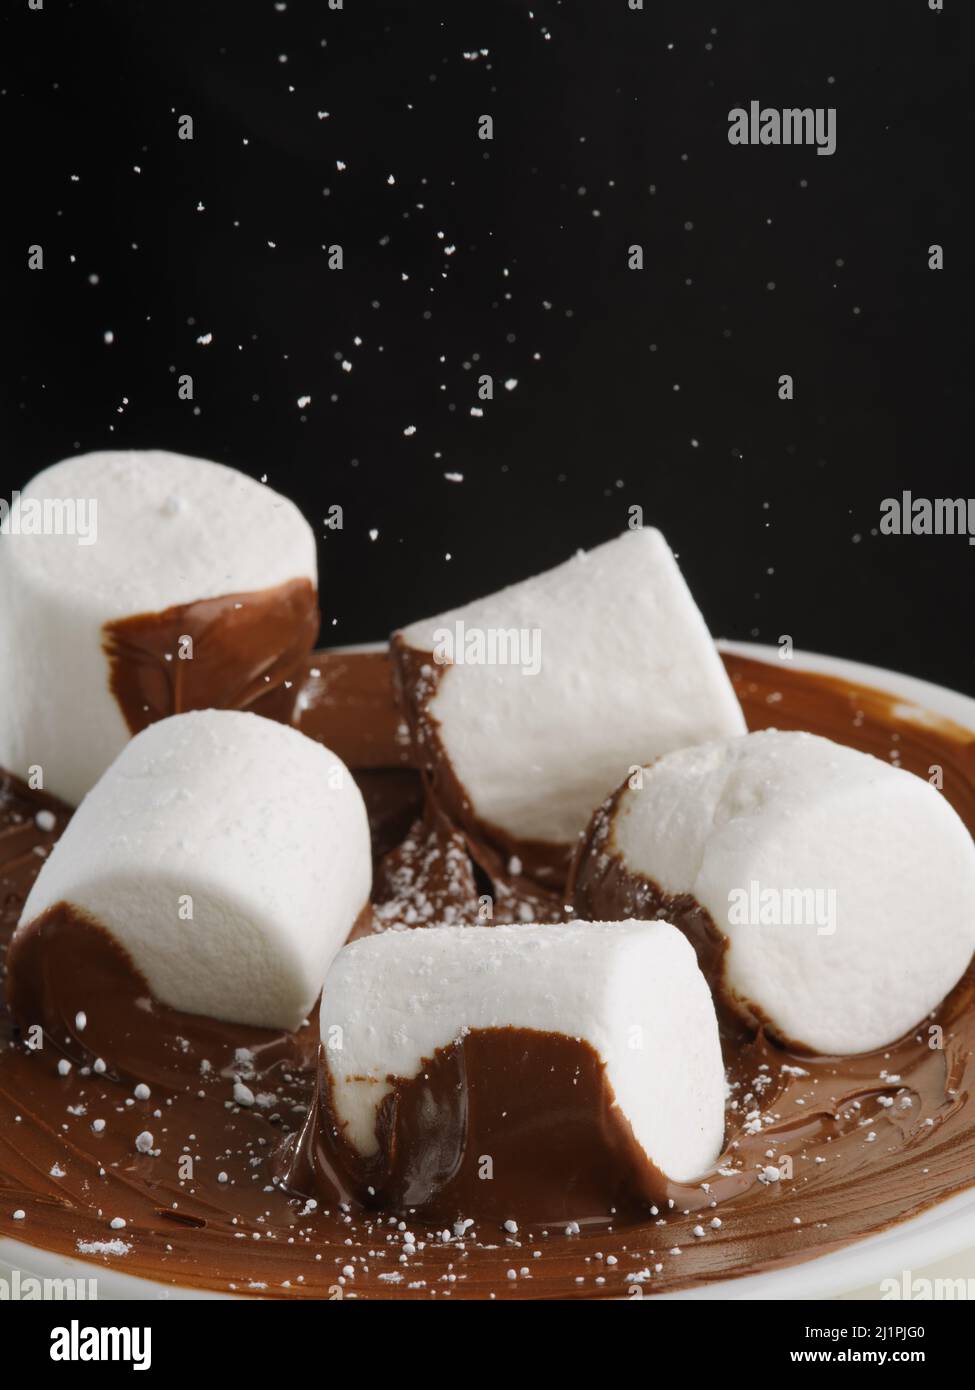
(610, 129)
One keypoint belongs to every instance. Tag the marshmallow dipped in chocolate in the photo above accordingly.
(489, 822)
(187, 862)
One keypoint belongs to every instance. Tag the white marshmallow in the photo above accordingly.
(168, 530)
(398, 997)
(263, 829)
(783, 814)
(627, 671)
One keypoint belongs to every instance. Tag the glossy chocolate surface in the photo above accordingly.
(231, 652)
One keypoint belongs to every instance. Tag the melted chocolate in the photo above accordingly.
(602, 889)
(441, 875)
(416, 678)
(66, 966)
(851, 1164)
(346, 700)
(248, 651)
(453, 1139)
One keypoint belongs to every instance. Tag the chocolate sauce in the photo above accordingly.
(454, 1139)
(602, 889)
(246, 649)
(441, 875)
(850, 1164)
(439, 869)
(416, 678)
(66, 969)
(346, 700)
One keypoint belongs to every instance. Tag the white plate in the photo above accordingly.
(911, 1246)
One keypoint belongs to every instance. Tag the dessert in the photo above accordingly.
(832, 894)
(190, 586)
(519, 715)
(227, 855)
(537, 1072)
(202, 1148)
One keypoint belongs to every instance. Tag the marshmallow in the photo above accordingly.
(107, 562)
(843, 887)
(632, 991)
(260, 830)
(538, 699)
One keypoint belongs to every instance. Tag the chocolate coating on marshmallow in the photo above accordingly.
(528, 706)
(832, 895)
(228, 856)
(138, 584)
(585, 1058)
